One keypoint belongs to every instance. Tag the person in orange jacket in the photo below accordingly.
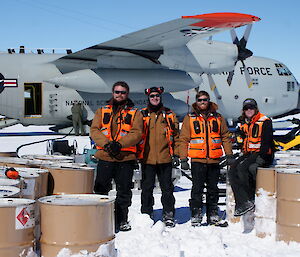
(258, 151)
(158, 153)
(204, 138)
(117, 129)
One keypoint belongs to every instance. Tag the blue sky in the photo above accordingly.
(78, 24)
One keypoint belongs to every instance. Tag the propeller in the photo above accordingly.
(212, 85)
(216, 92)
(243, 54)
(211, 82)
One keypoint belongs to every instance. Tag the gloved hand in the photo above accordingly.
(113, 148)
(230, 159)
(175, 161)
(184, 164)
(260, 161)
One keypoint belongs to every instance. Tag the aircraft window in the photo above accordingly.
(290, 86)
(282, 70)
(268, 100)
(27, 94)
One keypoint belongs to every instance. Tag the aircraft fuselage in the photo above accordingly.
(27, 96)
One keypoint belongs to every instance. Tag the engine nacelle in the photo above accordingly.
(213, 56)
(101, 80)
(201, 56)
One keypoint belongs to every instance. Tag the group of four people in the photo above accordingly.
(124, 135)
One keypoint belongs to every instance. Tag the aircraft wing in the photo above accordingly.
(149, 43)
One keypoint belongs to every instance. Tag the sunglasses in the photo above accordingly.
(156, 95)
(248, 108)
(202, 100)
(120, 92)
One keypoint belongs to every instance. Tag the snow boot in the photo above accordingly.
(213, 217)
(125, 226)
(215, 220)
(248, 221)
(244, 208)
(196, 218)
(168, 219)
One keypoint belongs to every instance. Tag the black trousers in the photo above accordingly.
(122, 173)
(205, 174)
(242, 178)
(164, 175)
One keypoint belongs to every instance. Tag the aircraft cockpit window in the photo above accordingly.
(290, 86)
(282, 70)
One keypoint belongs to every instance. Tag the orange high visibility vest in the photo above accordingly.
(253, 132)
(206, 141)
(126, 120)
(169, 130)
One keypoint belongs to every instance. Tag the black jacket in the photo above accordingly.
(267, 142)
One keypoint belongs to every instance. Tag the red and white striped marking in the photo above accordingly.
(10, 82)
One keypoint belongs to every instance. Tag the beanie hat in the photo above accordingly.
(250, 102)
(150, 90)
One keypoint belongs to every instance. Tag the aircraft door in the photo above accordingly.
(33, 99)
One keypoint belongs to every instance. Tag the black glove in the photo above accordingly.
(230, 159)
(184, 164)
(113, 148)
(260, 161)
(175, 161)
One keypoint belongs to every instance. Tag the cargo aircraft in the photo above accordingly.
(180, 55)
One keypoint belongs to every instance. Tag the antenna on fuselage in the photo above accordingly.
(40, 51)
(11, 50)
(22, 50)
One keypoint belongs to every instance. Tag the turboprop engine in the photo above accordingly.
(201, 56)
(101, 80)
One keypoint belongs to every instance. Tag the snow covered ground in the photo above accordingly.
(149, 239)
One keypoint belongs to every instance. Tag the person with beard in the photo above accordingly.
(158, 152)
(116, 129)
(258, 151)
(204, 138)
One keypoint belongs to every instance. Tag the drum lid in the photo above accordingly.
(27, 174)
(32, 170)
(8, 202)
(76, 199)
(9, 182)
(7, 191)
(295, 170)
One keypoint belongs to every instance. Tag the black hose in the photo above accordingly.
(17, 150)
